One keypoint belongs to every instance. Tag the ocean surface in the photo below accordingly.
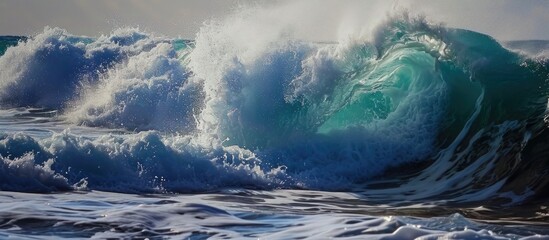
(418, 132)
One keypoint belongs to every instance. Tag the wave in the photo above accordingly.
(457, 109)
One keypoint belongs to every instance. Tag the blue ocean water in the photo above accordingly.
(422, 131)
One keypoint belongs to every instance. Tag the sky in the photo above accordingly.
(322, 20)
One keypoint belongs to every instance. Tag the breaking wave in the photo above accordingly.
(442, 111)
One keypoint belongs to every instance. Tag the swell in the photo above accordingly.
(465, 113)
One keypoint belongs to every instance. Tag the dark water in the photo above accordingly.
(8, 41)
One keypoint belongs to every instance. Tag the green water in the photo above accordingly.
(8, 41)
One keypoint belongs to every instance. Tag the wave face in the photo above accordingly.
(443, 112)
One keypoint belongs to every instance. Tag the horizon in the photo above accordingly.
(504, 20)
